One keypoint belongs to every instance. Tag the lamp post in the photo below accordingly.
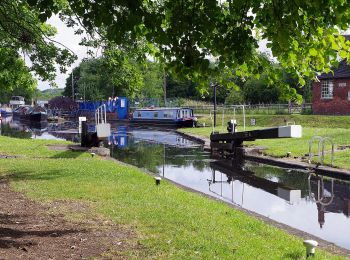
(72, 86)
(214, 85)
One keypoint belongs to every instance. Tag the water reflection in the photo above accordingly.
(315, 204)
(234, 173)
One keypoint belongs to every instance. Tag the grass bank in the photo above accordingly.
(336, 127)
(313, 121)
(170, 223)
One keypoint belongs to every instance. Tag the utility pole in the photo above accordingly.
(164, 86)
(214, 85)
(72, 86)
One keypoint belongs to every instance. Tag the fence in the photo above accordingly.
(268, 109)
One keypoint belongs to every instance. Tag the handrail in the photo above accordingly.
(319, 138)
(234, 115)
(321, 143)
(101, 115)
(331, 141)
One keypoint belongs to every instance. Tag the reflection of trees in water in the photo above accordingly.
(290, 178)
(75, 138)
(141, 154)
(187, 157)
(23, 133)
(151, 155)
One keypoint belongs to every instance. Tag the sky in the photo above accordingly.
(66, 36)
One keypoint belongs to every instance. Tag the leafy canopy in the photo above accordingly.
(21, 30)
(15, 78)
(303, 35)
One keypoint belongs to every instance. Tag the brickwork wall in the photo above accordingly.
(338, 105)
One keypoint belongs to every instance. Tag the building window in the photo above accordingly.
(342, 84)
(349, 95)
(327, 89)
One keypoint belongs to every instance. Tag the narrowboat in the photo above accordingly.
(27, 113)
(37, 114)
(181, 117)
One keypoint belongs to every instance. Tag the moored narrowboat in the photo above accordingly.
(180, 117)
(27, 113)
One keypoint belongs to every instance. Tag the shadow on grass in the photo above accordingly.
(8, 236)
(67, 155)
(293, 255)
(32, 175)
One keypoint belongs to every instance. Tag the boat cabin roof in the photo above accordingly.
(19, 98)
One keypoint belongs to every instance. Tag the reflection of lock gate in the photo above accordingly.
(235, 173)
(320, 197)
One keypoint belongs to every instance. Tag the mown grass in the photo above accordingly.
(275, 120)
(336, 128)
(170, 223)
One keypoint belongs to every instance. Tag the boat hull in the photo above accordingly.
(38, 117)
(165, 122)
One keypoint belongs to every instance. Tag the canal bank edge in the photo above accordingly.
(254, 154)
(328, 246)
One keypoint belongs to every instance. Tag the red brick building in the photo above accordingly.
(331, 95)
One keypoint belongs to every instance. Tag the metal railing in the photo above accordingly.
(321, 148)
(211, 112)
(101, 115)
(257, 108)
(249, 108)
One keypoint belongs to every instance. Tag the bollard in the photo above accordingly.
(310, 247)
(158, 179)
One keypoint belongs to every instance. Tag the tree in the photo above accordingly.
(67, 92)
(303, 35)
(15, 78)
(21, 30)
(100, 78)
(153, 77)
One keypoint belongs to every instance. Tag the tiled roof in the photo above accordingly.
(343, 71)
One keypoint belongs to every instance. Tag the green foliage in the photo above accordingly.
(21, 30)
(115, 74)
(304, 36)
(48, 94)
(15, 78)
(273, 85)
(67, 92)
(153, 76)
(235, 97)
(123, 72)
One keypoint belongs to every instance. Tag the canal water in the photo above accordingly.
(314, 204)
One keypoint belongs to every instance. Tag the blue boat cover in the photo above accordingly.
(119, 106)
